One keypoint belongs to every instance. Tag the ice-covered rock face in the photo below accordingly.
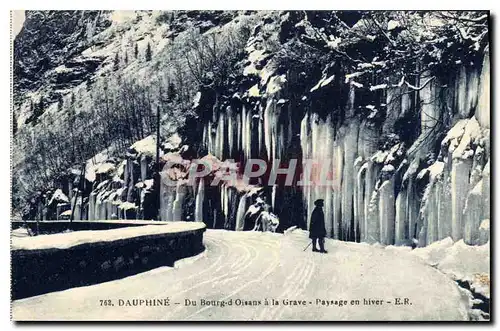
(403, 190)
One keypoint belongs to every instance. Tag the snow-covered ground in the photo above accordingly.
(258, 266)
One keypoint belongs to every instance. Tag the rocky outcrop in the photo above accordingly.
(51, 39)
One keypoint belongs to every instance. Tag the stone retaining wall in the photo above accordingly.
(38, 271)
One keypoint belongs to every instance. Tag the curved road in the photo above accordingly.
(244, 269)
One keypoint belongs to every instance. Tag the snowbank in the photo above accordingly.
(460, 261)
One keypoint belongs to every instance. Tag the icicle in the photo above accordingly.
(328, 167)
(372, 227)
(359, 211)
(429, 113)
(444, 207)
(401, 219)
(394, 106)
(98, 207)
(221, 197)
(167, 204)
(240, 215)
(248, 133)
(305, 136)
(230, 131)
(267, 128)
(78, 207)
(200, 196)
(337, 197)
(429, 210)
(210, 148)
(144, 167)
(386, 212)
(472, 215)
(328, 210)
(260, 133)
(467, 91)
(239, 129)
(221, 132)
(276, 134)
(483, 105)
(459, 185)
(92, 209)
(486, 191)
(177, 204)
(290, 126)
(433, 214)
(273, 196)
(227, 199)
(349, 148)
(244, 135)
(205, 136)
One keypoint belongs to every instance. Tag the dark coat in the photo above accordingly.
(317, 227)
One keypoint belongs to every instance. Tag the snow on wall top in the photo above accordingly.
(66, 240)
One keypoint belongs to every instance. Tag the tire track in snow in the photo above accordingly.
(214, 247)
(269, 311)
(300, 286)
(233, 270)
(295, 283)
(263, 275)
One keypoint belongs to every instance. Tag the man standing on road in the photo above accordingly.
(317, 230)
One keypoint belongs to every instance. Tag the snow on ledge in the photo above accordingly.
(59, 196)
(70, 239)
(146, 146)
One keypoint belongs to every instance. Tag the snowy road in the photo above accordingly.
(239, 267)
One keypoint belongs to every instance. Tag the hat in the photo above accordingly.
(319, 202)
